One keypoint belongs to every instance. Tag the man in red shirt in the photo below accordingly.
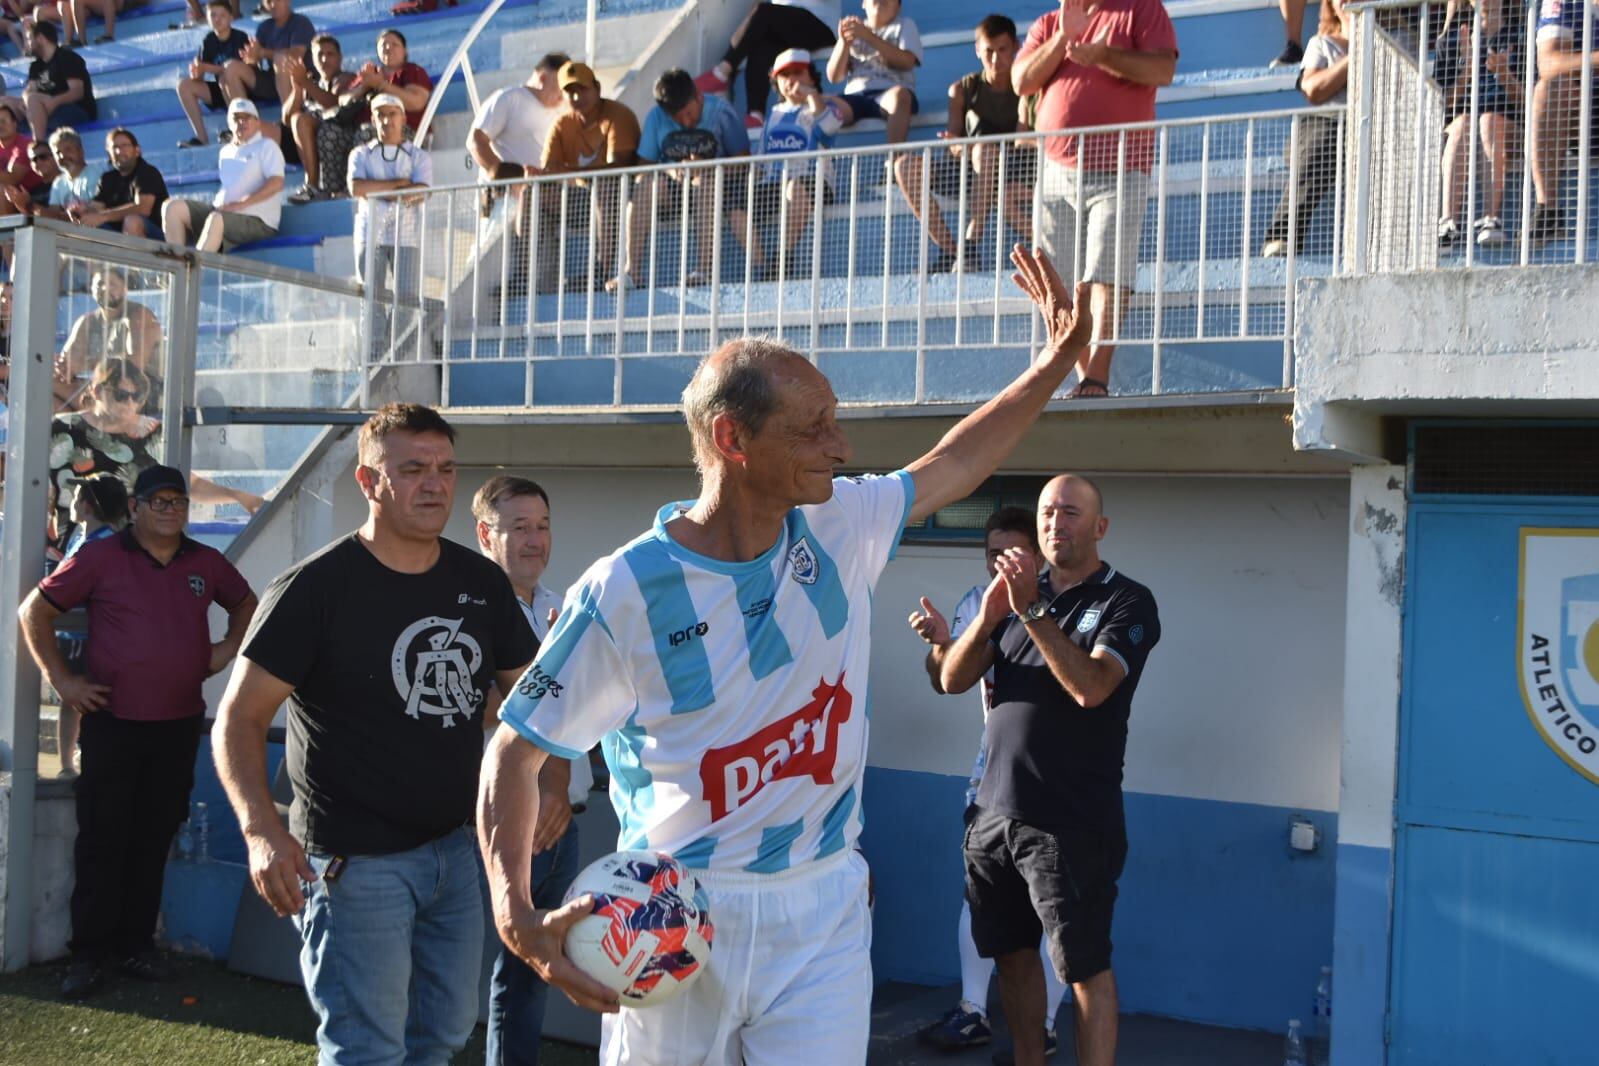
(1097, 63)
(148, 591)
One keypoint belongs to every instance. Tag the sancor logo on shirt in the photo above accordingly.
(432, 664)
(802, 744)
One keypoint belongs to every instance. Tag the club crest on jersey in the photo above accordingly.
(1088, 620)
(432, 665)
(197, 585)
(802, 562)
(802, 744)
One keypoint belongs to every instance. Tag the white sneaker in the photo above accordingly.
(1448, 233)
(1276, 248)
(1490, 233)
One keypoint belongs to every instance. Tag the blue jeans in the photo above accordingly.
(391, 952)
(517, 994)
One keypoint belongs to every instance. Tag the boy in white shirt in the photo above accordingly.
(876, 58)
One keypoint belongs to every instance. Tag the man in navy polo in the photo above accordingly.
(1046, 846)
(148, 591)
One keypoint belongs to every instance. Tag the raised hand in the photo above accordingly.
(1068, 323)
(1073, 19)
(1018, 570)
(930, 625)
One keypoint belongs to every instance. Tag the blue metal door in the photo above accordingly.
(1496, 914)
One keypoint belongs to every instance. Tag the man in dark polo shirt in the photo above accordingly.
(130, 194)
(1046, 846)
(384, 645)
(148, 591)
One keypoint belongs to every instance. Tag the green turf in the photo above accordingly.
(232, 1019)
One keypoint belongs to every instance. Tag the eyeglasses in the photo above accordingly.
(167, 503)
(124, 396)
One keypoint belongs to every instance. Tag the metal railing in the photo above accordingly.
(520, 288)
(1472, 130)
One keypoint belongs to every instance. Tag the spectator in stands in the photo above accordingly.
(803, 120)
(393, 75)
(1293, 12)
(249, 204)
(113, 433)
(687, 125)
(150, 654)
(1556, 107)
(15, 171)
(129, 196)
(77, 179)
(225, 44)
(78, 11)
(35, 200)
(1500, 91)
(767, 31)
(980, 103)
(261, 72)
(13, 13)
(115, 328)
(1323, 77)
(386, 163)
(324, 115)
(59, 90)
(876, 59)
(510, 130)
(194, 18)
(594, 134)
(1097, 63)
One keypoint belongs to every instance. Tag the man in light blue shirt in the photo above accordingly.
(683, 126)
(78, 179)
(388, 163)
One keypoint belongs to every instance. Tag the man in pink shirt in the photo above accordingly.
(1097, 63)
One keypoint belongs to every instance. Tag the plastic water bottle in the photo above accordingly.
(201, 833)
(1294, 1046)
(1321, 1020)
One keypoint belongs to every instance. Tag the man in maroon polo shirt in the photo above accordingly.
(148, 591)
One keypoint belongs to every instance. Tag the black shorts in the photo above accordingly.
(1023, 881)
(944, 177)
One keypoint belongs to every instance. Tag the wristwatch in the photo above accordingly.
(1038, 610)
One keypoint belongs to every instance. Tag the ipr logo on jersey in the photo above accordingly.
(802, 563)
(688, 633)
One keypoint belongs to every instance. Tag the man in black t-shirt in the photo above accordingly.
(59, 91)
(203, 82)
(384, 645)
(130, 194)
(981, 103)
(1046, 846)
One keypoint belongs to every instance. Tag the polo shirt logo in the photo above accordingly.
(1136, 635)
(197, 585)
(802, 560)
(1089, 619)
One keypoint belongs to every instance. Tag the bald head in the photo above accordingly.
(1071, 521)
(743, 379)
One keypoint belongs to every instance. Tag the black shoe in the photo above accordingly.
(146, 966)
(82, 981)
(1548, 223)
(1290, 56)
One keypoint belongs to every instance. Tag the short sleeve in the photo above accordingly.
(649, 147)
(910, 38)
(555, 148)
(1152, 28)
(1131, 630)
(203, 53)
(830, 121)
(491, 119)
(412, 75)
(271, 159)
(72, 583)
(730, 132)
(302, 32)
(966, 612)
(624, 136)
(1038, 35)
(231, 589)
(877, 509)
(286, 629)
(577, 690)
(422, 170)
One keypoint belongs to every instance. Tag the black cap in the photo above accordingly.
(153, 479)
(110, 494)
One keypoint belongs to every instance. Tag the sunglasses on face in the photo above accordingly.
(125, 395)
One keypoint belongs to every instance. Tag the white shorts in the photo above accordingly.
(790, 978)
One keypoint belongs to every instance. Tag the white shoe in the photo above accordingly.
(1276, 248)
(1490, 232)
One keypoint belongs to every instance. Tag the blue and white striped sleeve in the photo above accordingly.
(578, 688)
(877, 508)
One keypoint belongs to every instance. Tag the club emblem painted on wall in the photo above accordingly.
(1558, 639)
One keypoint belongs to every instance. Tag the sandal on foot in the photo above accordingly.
(1091, 389)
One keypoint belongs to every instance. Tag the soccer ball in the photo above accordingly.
(649, 936)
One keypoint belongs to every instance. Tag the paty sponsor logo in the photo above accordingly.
(801, 744)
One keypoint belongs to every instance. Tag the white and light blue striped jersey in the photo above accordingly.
(966, 612)
(730, 698)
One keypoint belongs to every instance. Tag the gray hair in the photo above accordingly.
(65, 135)
(736, 381)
